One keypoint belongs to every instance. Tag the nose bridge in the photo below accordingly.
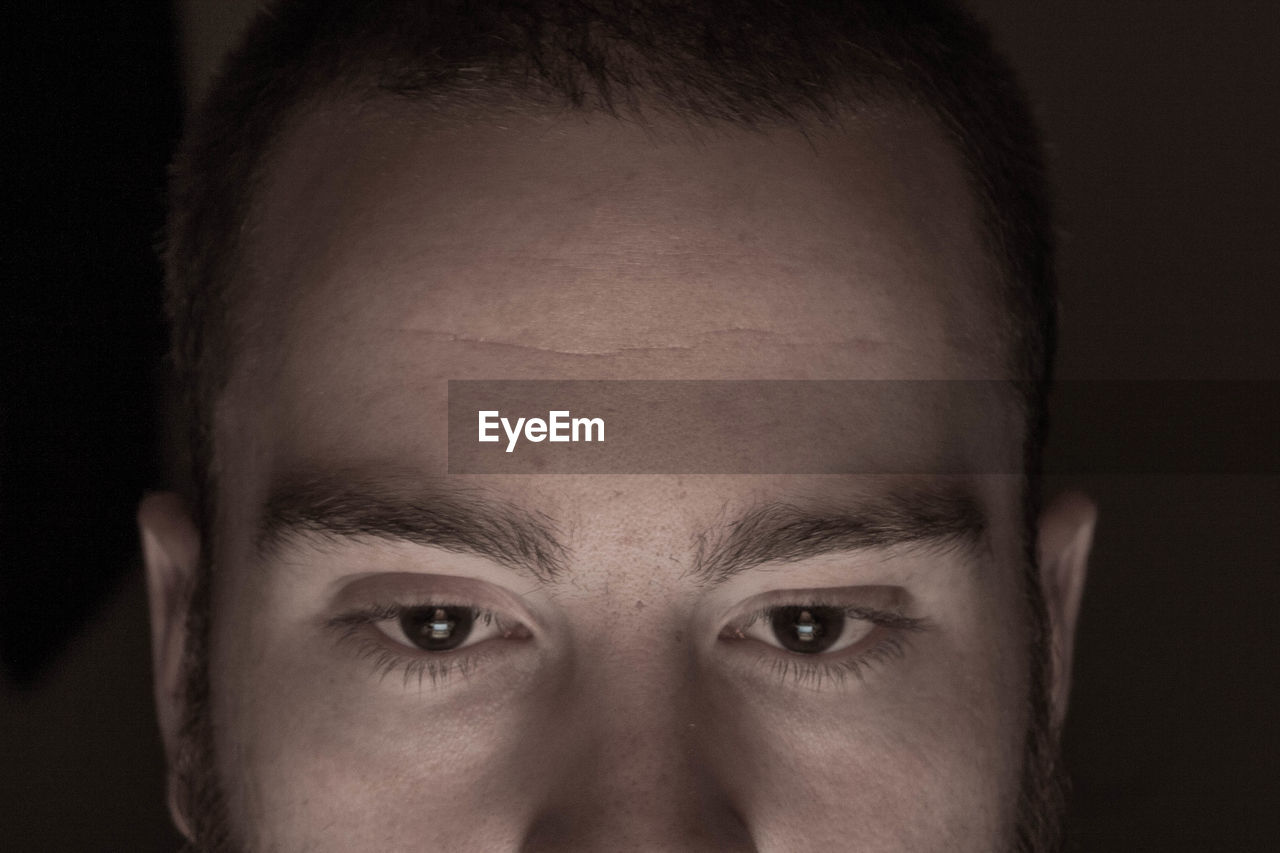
(637, 776)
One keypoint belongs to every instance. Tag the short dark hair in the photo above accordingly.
(752, 63)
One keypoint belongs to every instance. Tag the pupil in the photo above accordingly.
(807, 630)
(437, 629)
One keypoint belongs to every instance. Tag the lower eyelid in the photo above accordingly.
(859, 666)
(362, 636)
(370, 645)
(882, 647)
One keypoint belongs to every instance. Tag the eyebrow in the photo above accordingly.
(934, 517)
(346, 505)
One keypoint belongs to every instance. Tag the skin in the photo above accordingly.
(629, 707)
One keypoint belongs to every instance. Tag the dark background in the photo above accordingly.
(1163, 120)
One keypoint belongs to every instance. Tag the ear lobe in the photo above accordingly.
(1063, 546)
(171, 553)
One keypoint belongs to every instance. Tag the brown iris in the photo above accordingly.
(807, 630)
(437, 629)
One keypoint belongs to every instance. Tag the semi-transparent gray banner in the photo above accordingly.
(856, 427)
(731, 427)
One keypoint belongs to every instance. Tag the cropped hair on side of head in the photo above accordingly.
(748, 63)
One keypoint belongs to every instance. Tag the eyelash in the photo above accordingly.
(811, 671)
(803, 673)
(357, 628)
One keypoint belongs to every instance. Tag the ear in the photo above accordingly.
(171, 552)
(1065, 539)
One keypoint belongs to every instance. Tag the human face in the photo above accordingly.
(611, 696)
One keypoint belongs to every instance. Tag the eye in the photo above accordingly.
(430, 629)
(445, 628)
(436, 629)
(806, 629)
(822, 638)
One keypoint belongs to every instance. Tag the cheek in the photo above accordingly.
(308, 743)
(926, 756)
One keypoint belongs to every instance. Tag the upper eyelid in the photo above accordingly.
(384, 612)
(892, 604)
(364, 622)
(852, 611)
(881, 619)
(409, 589)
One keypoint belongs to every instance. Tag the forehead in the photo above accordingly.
(586, 235)
(389, 253)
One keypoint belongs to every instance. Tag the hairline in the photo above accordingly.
(936, 61)
(652, 116)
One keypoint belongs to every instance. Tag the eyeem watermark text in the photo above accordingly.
(558, 427)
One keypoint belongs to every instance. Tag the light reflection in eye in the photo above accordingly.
(812, 637)
(809, 629)
(429, 641)
(805, 637)
(437, 628)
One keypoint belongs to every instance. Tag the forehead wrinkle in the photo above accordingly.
(712, 337)
(894, 211)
